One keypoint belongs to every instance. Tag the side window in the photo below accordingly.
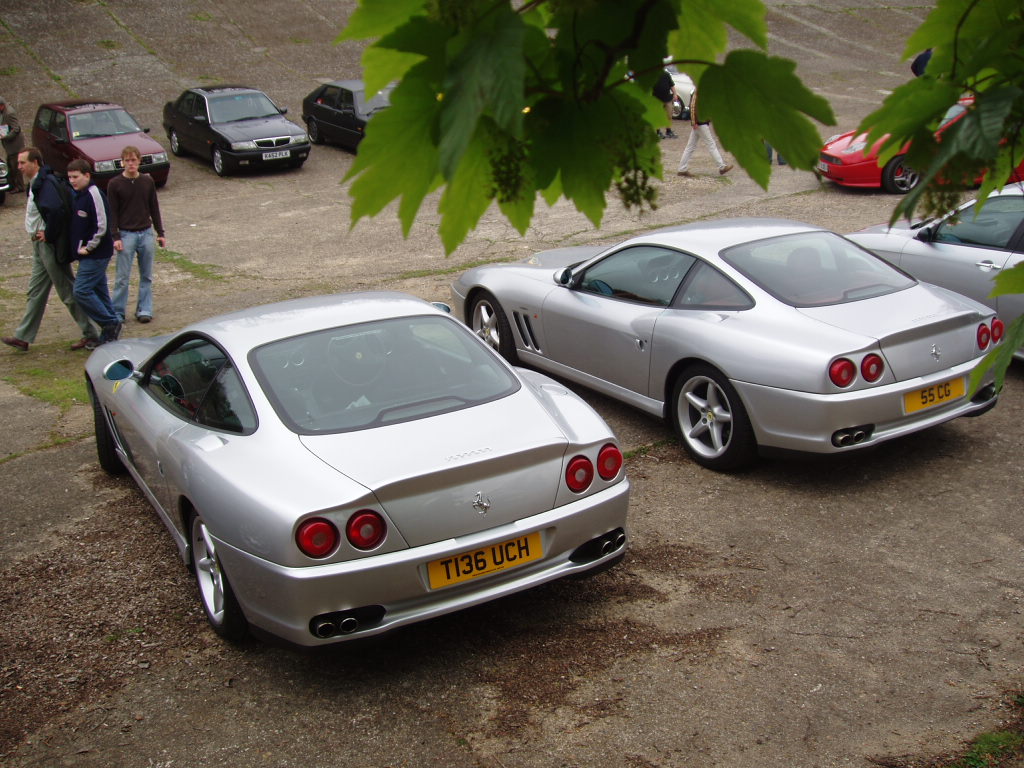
(44, 118)
(644, 273)
(226, 405)
(346, 101)
(329, 97)
(707, 288)
(60, 125)
(991, 227)
(183, 378)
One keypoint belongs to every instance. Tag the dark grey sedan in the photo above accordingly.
(234, 128)
(338, 112)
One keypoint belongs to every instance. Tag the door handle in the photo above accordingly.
(641, 345)
(986, 266)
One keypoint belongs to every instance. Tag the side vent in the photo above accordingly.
(526, 331)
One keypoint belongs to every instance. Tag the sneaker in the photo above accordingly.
(10, 341)
(670, 134)
(84, 342)
(91, 344)
(143, 318)
(110, 333)
(660, 134)
(684, 173)
(724, 170)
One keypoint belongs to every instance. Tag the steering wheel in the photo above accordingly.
(357, 360)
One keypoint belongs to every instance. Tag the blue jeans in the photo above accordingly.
(142, 243)
(91, 291)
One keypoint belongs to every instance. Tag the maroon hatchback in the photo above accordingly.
(95, 131)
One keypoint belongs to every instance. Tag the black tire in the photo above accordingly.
(710, 419)
(215, 593)
(488, 321)
(314, 132)
(176, 149)
(3, 196)
(898, 178)
(106, 447)
(219, 164)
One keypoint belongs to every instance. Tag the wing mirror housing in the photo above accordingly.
(925, 234)
(564, 277)
(119, 370)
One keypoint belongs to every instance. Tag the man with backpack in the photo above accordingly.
(47, 212)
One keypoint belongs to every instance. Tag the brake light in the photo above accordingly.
(984, 336)
(579, 474)
(998, 329)
(842, 372)
(317, 537)
(366, 529)
(609, 461)
(872, 367)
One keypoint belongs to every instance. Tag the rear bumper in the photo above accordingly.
(806, 422)
(284, 601)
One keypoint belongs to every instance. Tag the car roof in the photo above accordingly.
(352, 85)
(710, 237)
(238, 332)
(224, 88)
(81, 105)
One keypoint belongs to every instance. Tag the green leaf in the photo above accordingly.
(1009, 281)
(419, 39)
(703, 31)
(999, 358)
(909, 109)
(468, 193)
(751, 97)
(394, 160)
(486, 75)
(376, 18)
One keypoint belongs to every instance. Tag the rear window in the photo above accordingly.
(814, 269)
(374, 374)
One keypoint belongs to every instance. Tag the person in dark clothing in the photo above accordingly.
(93, 245)
(13, 140)
(665, 92)
(46, 220)
(134, 214)
(920, 62)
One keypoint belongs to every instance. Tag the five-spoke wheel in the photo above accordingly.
(711, 420)
(489, 322)
(215, 593)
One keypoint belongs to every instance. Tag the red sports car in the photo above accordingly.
(847, 159)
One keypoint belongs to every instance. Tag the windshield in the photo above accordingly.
(241, 106)
(815, 269)
(375, 374)
(108, 122)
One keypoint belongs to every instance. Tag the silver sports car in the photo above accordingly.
(744, 333)
(962, 251)
(339, 466)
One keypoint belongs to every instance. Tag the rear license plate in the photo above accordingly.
(937, 394)
(277, 155)
(823, 167)
(481, 562)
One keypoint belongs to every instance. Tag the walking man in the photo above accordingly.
(93, 245)
(13, 141)
(134, 214)
(46, 221)
(701, 130)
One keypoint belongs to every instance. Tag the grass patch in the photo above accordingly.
(452, 270)
(992, 749)
(299, 40)
(109, 45)
(50, 375)
(202, 16)
(8, 71)
(201, 271)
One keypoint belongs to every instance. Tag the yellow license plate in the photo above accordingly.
(937, 394)
(481, 562)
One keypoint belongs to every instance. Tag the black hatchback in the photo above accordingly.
(234, 127)
(338, 112)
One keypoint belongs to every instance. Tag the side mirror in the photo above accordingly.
(442, 306)
(564, 277)
(145, 130)
(925, 234)
(119, 370)
(283, 110)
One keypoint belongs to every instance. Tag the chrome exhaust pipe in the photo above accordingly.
(859, 435)
(348, 625)
(324, 628)
(620, 539)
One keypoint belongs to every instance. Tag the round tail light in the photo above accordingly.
(872, 367)
(842, 372)
(317, 537)
(579, 474)
(366, 529)
(998, 329)
(984, 336)
(609, 462)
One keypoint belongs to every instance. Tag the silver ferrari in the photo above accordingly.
(745, 334)
(336, 467)
(963, 250)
